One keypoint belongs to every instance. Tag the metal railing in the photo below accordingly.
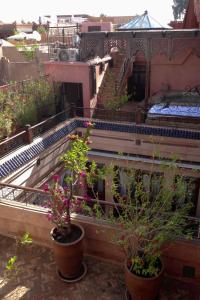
(26, 137)
(137, 116)
(122, 75)
(39, 198)
(59, 38)
(51, 122)
(12, 143)
(21, 194)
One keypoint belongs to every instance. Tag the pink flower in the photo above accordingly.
(46, 187)
(56, 177)
(66, 202)
(78, 210)
(88, 124)
(88, 142)
(87, 197)
(82, 174)
(49, 216)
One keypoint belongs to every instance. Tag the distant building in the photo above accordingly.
(63, 20)
(7, 30)
(27, 28)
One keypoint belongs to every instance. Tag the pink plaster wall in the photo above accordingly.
(178, 73)
(76, 72)
(105, 26)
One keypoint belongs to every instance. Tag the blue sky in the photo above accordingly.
(12, 10)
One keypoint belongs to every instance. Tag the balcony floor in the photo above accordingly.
(37, 279)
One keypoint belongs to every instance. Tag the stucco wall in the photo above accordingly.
(105, 26)
(14, 221)
(180, 72)
(77, 72)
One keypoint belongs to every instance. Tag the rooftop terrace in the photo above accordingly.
(37, 279)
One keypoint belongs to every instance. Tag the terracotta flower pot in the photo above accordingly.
(141, 288)
(69, 255)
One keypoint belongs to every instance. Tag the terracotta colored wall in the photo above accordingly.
(190, 21)
(178, 73)
(14, 221)
(105, 26)
(76, 72)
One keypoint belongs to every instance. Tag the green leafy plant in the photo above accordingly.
(150, 209)
(11, 267)
(116, 102)
(41, 29)
(62, 202)
(28, 50)
(150, 212)
(26, 103)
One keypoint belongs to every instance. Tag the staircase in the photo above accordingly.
(114, 83)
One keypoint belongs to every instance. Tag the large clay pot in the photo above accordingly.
(141, 288)
(69, 256)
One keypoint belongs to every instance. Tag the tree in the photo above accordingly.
(179, 8)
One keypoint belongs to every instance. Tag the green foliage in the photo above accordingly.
(62, 201)
(151, 213)
(10, 266)
(116, 102)
(28, 50)
(41, 29)
(5, 116)
(26, 239)
(25, 104)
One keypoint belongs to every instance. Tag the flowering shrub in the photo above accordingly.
(62, 201)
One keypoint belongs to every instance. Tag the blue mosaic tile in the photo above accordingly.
(20, 159)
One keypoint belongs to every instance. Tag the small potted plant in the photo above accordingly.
(68, 237)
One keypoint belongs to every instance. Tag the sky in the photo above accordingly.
(12, 10)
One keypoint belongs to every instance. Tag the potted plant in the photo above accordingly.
(149, 213)
(68, 237)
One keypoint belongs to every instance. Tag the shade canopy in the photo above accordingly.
(144, 21)
(26, 36)
(19, 36)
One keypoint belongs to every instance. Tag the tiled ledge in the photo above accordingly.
(12, 164)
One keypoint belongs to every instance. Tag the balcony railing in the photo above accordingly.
(61, 38)
(26, 137)
(39, 198)
(137, 116)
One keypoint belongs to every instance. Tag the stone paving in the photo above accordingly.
(36, 278)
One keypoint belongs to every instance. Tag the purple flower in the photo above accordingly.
(66, 188)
